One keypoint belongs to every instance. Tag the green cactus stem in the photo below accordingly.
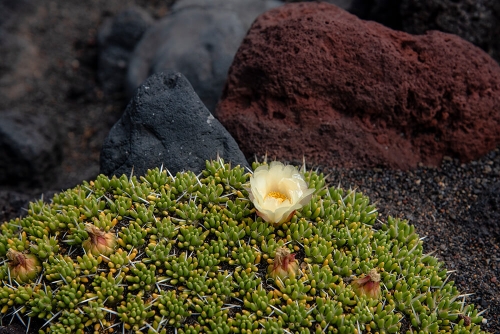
(187, 253)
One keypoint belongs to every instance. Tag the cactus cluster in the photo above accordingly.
(187, 253)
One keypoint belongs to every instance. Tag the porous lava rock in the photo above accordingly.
(311, 79)
(166, 124)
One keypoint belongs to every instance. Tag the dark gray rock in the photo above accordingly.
(30, 149)
(477, 21)
(386, 12)
(344, 4)
(166, 124)
(13, 10)
(116, 40)
(198, 39)
(247, 10)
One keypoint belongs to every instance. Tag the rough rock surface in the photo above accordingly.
(199, 39)
(477, 21)
(117, 39)
(166, 124)
(30, 149)
(311, 79)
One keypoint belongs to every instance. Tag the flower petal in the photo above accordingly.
(277, 191)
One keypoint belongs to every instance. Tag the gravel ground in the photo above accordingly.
(445, 204)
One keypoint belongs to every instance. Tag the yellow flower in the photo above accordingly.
(277, 191)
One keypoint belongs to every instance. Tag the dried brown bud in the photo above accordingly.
(99, 242)
(368, 286)
(465, 318)
(284, 264)
(23, 267)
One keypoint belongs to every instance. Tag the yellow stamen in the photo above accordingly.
(279, 196)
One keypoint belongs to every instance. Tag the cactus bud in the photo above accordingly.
(99, 242)
(284, 264)
(23, 267)
(368, 286)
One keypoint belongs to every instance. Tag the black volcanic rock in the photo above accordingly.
(166, 124)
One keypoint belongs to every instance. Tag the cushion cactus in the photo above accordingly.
(188, 253)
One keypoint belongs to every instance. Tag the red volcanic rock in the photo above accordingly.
(313, 80)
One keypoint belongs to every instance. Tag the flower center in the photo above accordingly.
(279, 196)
